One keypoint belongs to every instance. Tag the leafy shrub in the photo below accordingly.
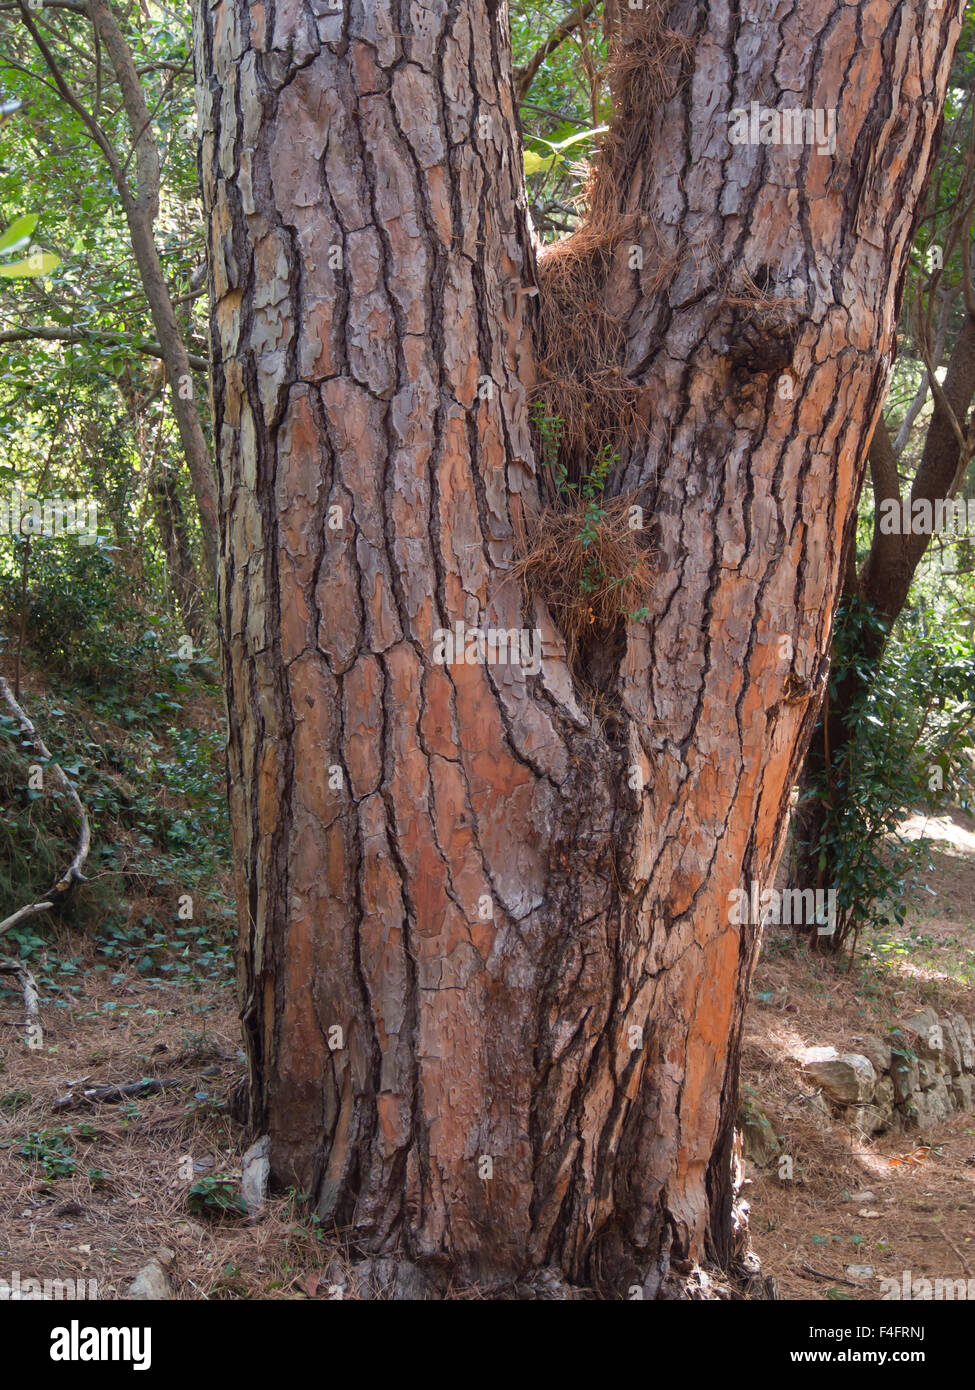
(216, 1196)
(82, 617)
(910, 747)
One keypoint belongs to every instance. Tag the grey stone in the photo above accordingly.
(963, 1092)
(256, 1169)
(806, 1107)
(819, 1105)
(953, 1064)
(846, 1077)
(927, 1070)
(881, 1114)
(868, 1119)
(929, 1108)
(758, 1139)
(876, 1051)
(966, 1044)
(942, 1097)
(883, 1094)
(926, 1037)
(905, 1075)
(152, 1283)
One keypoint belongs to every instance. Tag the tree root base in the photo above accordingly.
(398, 1279)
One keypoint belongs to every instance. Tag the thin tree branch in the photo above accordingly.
(76, 104)
(141, 213)
(556, 115)
(921, 395)
(29, 989)
(55, 334)
(141, 207)
(525, 76)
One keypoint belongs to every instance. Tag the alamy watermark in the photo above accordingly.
(22, 515)
(922, 517)
(19, 1288)
(924, 1290)
(461, 645)
(77, 1343)
(789, 907)
(763, 125)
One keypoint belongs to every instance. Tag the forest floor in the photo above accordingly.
(91, 1192)
(847, 1209)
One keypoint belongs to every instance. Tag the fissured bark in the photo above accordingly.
(492, 988)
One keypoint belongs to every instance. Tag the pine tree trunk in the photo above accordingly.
(492, 988)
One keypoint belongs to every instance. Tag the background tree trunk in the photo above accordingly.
(141, 208)
(881, 587)
(184, 579)
(512, 900)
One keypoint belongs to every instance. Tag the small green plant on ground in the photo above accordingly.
(216, 1196)
(53, 1150)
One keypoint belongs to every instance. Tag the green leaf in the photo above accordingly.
(578, 137)
(535, 163)
(37, 264)
(18, 234)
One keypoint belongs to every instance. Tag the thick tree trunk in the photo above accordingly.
(492, 985)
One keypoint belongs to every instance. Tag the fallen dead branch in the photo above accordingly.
(28, 987)
(113, 1095)
(810, 1272)
(73, 874)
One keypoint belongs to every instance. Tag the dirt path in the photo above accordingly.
(847, 1207)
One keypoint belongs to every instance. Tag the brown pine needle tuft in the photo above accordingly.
(588, 565)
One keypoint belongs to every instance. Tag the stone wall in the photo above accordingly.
(916, 1078)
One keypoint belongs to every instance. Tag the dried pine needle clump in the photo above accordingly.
(583, 555)
(582, 376)
(587, 560)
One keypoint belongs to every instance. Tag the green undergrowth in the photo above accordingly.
(136, 724)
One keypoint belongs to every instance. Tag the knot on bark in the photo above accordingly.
(763, 326)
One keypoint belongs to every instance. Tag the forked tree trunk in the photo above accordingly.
(492, 989)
